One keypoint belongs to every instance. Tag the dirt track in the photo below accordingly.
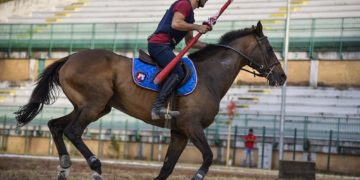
(39, 168)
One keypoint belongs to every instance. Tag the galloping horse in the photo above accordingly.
(97, 80)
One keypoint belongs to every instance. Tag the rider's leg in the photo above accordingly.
(163, 54)
(167, 88)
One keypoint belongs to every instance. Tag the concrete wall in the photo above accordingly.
(345, 164)
(339, 73)
(14, 70)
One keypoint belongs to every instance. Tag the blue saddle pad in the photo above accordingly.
(144, 75)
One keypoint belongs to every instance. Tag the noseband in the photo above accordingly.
(263, 71)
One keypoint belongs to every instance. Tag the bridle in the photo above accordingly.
(264, 71)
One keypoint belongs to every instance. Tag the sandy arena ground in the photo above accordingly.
(23, 167)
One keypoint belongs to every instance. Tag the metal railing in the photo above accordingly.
(345, 128)
(309, 35)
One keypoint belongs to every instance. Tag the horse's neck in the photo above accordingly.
(222, 70)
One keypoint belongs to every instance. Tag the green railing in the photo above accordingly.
(309, 35)
(345, 128)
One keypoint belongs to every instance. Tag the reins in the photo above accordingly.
(252, 63)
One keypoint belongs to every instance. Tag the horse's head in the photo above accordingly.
(262, 58)
(253, 46)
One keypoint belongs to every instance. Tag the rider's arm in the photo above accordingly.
(179, 23)
(198, 45)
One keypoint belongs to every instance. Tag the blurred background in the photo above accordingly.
(322, 110)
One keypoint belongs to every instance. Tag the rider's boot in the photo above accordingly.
(159, 111)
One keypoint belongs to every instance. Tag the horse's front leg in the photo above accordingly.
(198, 138)
(177, 144)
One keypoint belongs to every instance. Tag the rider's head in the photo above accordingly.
(201, 3)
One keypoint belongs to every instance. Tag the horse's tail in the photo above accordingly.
(45, 92)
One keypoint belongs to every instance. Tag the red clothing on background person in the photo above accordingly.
(250, 140)
(249, 148)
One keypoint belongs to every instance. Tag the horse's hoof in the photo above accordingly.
(61, 176)
(200, 174)
(97, 176)
(63, 173)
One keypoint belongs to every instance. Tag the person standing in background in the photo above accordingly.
(249, 148)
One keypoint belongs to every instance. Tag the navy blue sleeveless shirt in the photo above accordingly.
(165, 24)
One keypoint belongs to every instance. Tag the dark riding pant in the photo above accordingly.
(163, 54)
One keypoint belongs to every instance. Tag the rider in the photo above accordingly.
(177, 23)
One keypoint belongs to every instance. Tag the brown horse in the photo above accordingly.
(97, 80)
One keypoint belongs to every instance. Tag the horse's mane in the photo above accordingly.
(225, 39)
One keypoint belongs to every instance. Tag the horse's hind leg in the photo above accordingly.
(176, 147)
(57, 127)
(198, 138)
(75, 129)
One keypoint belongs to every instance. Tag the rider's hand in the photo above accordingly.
(203, 29)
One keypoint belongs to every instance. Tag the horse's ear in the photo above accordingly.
(259, 28)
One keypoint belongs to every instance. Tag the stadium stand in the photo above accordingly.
(300, 100)
(96, 11)
(317, 25)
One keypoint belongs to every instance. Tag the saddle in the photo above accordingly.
(143, 76)
(146, 58)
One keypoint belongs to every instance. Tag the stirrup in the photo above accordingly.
(163, 113)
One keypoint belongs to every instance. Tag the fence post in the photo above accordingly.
(246, 121)
(41, 65)
(312, 43)
(50, 152)
(71, 38)
(338, 136)
(294, 149)
(4, 123)
(305, 129)
(229, 124)
(152, 144)
(3, 134)
(126, 140)
(93, 36)
(10, 40)
(115, 37)
(51, 40)
(262, 148)
(274, 130)
(341, 40)
(99, 140)
(136, 40)
(26, 147)
(30, 41)
(234, 145)
(329, 151)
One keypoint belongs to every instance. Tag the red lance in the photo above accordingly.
(165, 72)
